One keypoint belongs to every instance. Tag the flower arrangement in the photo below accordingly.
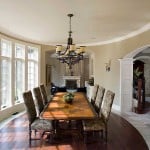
(68, 97)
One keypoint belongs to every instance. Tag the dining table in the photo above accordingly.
(58, 109)
(72, 114)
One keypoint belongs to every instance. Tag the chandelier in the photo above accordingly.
(70, 55)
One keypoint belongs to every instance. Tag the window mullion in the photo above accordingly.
(13, 75)
(26, 67)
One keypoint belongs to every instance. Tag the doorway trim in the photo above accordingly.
(126, 79)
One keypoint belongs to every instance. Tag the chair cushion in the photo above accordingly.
(42, 124)
(93, 125)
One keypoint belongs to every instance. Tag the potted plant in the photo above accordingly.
(68, 97)
(137, 73)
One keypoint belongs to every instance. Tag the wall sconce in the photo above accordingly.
(107, 66)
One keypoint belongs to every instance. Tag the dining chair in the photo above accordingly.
(99, 98)
(38, 99)
(100, 123)
(94, 93)
(35, 123)
(44, 94)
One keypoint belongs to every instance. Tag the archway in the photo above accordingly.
(126, 79)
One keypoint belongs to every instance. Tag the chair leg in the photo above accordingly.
(69, 123)
(85, 137)
(102, 134)
(51, 136)
(30, 132)
(106, 134)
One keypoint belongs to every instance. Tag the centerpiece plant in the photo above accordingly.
(68, 97)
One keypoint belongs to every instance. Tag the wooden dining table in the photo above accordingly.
(58, 109)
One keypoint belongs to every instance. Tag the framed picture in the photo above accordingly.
(48, 74)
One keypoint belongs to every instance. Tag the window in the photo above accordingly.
(19, 72)
(19, 65)
(32, 67)
(32, 53)
(20, 51)
(5, 74)
(6, 48)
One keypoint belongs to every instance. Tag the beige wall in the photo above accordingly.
(114, 51)
(45, 60)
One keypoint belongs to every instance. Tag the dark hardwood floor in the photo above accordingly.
(121, 136)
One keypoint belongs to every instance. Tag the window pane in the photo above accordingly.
(5, 83)
(32, 74)
(5, 48)
(33, 53)
(19, 51)
(19, 80)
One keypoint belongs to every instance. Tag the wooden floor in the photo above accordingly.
(121, 136)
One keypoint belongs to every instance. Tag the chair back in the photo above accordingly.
(44, 94)
(30, 106)
(94, 93)
(107, 105)
(99, 98)
(38, 98)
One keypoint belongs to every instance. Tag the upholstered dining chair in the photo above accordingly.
(99, 98)
(44, 94)
(35, 123)
(38, 99)
(100, 123)
(94, 93)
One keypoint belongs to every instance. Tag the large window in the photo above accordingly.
(18, 71)
(5, 73)
(32, 67)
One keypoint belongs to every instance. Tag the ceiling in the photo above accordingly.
(94, 22)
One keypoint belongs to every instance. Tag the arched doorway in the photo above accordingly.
(126, 79)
